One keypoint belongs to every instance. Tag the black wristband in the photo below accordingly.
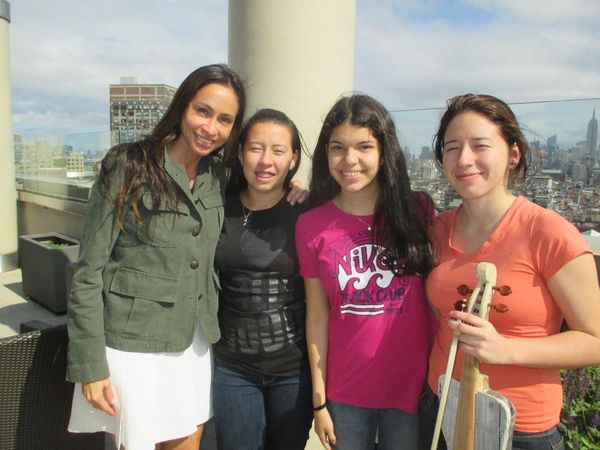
(320, 407)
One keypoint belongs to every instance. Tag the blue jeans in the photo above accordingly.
(551, 439)
(355, 428)
(255, 412)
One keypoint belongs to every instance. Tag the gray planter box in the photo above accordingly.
(43, 259)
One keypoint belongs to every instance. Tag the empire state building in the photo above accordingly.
(591, 140)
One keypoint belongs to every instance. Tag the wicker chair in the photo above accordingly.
(35, 399)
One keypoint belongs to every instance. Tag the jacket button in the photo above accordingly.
(194, 264)
(196, 231)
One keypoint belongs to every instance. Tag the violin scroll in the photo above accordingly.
(483, 274)
(503, 290)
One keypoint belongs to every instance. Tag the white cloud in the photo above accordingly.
(47, 122)
(409, 53)
(64, 55)
(544, 11)
(419, 63)
(413, 57)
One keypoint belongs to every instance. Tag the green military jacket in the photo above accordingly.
(143, 288)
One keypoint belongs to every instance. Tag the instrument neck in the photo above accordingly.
(471, 382)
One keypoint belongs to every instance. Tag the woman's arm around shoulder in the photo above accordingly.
(297, 193)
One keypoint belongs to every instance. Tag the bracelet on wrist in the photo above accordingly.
(320, 407)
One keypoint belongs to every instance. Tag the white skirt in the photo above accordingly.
(160, 396)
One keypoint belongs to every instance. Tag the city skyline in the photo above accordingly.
(65, 55)
(540, 121)
(412, 125)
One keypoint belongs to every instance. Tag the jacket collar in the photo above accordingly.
(206, 178)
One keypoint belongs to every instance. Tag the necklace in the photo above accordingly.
(357, 217)
(191, 180)
(246, 212)
(362, 221)
(246, 215)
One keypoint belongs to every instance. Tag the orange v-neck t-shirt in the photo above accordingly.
(530, 245)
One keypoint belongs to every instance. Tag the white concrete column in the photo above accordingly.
(293, 55)
(8, 192)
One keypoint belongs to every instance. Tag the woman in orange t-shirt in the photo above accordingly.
(541, 256)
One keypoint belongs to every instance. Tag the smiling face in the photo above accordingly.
(267, 156)
(476, 158)
(207, 120)
(354, 155)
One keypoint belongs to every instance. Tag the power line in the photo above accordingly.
(532, 102)
(556, 101)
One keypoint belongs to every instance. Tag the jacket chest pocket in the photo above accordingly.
(212, 204)
(157, 226)
(140, 304)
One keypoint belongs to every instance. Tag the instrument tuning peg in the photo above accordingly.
(463, 289)
(461, 305)
(499, 307)
(503, 290)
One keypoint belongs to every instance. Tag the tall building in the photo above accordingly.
(18, 140)
(75, 162)
(591, 139)
(551, 151)
(136, 108)
(579, 172)
(430, 170)
(426, 153)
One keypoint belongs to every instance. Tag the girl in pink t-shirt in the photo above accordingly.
(542, 257)
(363, 251)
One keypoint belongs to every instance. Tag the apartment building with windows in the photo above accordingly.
(136, 108)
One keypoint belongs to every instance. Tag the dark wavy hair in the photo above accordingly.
(497, 112)
(145, 158)
(400, 213)
(237, 181)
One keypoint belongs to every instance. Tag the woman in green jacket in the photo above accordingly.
(143, 309)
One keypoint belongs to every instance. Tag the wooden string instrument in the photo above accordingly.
(471, 415)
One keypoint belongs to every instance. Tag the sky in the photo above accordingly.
(409, 54)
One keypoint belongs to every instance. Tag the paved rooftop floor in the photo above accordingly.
(15, 308)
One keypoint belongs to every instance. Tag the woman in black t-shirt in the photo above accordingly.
(262, 391)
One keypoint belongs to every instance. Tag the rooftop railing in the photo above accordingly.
(564, 172)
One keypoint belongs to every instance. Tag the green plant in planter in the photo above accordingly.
(55, 242)
(581, 408)
(53, 245)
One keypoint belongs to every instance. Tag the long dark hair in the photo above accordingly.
(145, 158)
(237, 181)
(401, 212)
(497, 112)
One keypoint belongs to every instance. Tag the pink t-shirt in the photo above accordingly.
(529, 246)
(379, 324)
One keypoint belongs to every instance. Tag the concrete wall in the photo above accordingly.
(8, 192)
(39, 214)
(296, 56)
